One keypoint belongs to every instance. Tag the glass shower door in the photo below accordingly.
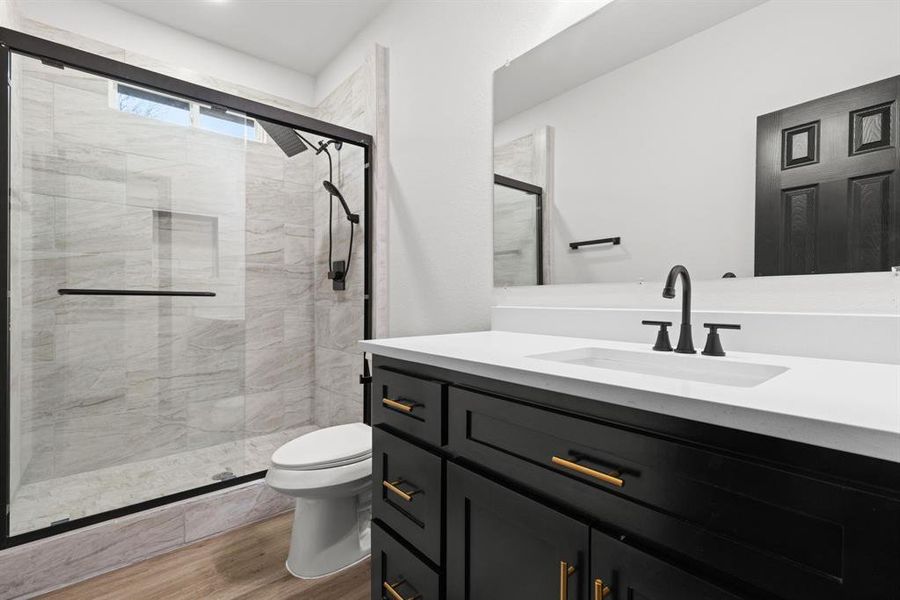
(131, 253)
(518, 233)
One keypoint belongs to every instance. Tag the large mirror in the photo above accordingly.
(738, 137)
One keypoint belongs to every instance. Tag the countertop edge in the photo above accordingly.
(827, 434)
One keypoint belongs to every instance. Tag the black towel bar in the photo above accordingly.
(89, 292)
(615, 241)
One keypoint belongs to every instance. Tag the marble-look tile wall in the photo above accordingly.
(111, 199)
(516, 159)
(20, 442)
(339, 314)
(280, 318)
(515, 219)
(529, 159)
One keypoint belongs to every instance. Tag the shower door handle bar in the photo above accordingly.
(96, 292)
(615, 241)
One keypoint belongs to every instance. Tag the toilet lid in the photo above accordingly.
(329, 447)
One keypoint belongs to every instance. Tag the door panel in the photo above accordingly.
(621, 572)
(827, 179)
(501, 545)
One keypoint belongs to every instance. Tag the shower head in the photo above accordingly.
(332, 189)
(287, 139)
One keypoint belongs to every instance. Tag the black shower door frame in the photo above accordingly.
(538, 193)
(15, 42)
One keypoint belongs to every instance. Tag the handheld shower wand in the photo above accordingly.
(339, 268)
(332, 189)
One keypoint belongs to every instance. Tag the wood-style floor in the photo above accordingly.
(245, 563)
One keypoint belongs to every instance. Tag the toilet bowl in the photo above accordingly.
(329, 472)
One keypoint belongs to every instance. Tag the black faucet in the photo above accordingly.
(685, 338)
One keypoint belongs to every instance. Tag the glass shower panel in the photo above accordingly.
(119, 399)
(516, 260)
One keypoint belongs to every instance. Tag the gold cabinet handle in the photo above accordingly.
(600, 591)
(392, 591)
(391, 486)
(610, 478)
(407, 408)
(564, 572)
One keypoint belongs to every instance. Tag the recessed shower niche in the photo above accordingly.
(185, 245)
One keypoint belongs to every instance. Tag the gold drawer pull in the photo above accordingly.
(610, 478)
(600, 591)
(392, 591)
(564, 572)
(407, 408)
(391, 486)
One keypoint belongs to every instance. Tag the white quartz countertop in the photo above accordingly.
(844, 405)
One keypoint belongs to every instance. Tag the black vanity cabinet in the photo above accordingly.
(498, 491)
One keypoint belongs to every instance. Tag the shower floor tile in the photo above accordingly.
(39, 504)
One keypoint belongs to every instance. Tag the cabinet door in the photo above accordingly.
(621, 572)
(502, 545)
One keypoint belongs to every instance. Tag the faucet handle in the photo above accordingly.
(662, 338)
(713, 342)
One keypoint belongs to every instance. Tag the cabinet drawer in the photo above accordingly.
(620, 572)
(408, 491)
(397, 573)
(409, 404)
(810, 538)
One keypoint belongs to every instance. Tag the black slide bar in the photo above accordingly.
(86, 292)
(615, 241)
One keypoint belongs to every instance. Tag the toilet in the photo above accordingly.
(329, 472)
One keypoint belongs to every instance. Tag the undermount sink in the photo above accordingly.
(673, 366)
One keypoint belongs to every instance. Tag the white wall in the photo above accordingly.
(111, 25)
(662, 151)
(442, 57)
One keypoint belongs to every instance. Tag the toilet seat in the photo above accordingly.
(326, 462)
(326, 448)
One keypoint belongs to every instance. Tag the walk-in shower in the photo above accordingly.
(172, 320)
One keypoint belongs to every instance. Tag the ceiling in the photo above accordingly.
(619, 33)
(304, 35)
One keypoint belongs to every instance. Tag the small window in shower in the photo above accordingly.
(152, 105)
(220, 121)
(159, 106)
